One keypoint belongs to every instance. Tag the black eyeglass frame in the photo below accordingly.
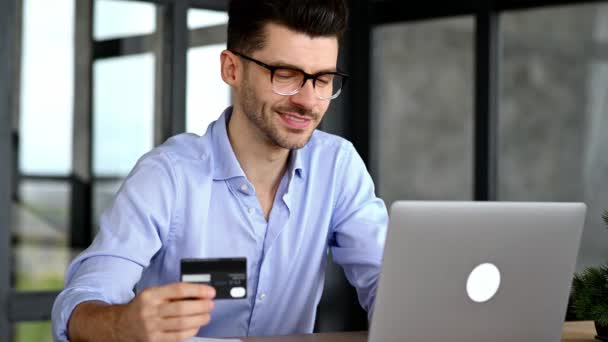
(307, 76)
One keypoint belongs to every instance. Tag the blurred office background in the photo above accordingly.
(471, 100)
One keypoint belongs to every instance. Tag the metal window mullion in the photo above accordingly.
(390, 11)
(385, 12)
(16, 96)
(81, 224)
(358, 105)
(215, 5)
(487, 53)
(217, 34)
(517, 5)
(120, 47)
(349, 114)
(171, 58)
(8, 34)
(31, 305)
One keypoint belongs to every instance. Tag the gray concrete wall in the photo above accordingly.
(422, 110)
(553, 117)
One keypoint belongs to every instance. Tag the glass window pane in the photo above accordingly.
(103, 195)
(32, 274)
(554, 113)
(119, 18)
(198, 18)
(49, 200)
(123, 113)
(422, 106)
(33, 332)
(207, 94)
(40, 222)
(47, 82)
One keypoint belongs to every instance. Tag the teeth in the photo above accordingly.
(290, 117)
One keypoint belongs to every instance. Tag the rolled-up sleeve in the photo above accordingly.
(131, 232)
(359, 225)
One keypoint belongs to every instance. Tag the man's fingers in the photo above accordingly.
(184, 323)
(185, 308)
(184, 290)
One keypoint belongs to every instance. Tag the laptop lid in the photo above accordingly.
(425, 289)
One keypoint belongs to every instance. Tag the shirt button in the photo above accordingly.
(262, 296)
(251, 211)
(244, 187)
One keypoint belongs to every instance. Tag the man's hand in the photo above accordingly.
(167, 313)
(172, 312)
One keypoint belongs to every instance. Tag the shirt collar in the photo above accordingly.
(226, 164)
(295, 162)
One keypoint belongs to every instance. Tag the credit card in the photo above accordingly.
(227, 275)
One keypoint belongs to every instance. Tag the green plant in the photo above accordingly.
(33, 332)
(590, 294)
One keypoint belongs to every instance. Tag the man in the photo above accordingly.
(261, 183)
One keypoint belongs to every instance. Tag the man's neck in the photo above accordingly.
(263, 162)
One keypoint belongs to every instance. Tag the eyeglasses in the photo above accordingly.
(288, 81)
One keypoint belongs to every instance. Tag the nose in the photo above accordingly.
(306, 97)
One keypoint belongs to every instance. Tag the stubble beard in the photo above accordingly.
(262, 119)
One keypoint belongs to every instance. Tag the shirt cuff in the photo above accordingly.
(64, 304)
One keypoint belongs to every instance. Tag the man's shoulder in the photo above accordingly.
(180, 153)
(184, 146)
(323, 141)
(331, 152)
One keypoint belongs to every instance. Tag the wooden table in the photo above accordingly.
(573, 332)
(579, 332)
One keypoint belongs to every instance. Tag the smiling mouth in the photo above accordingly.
(295, 118)
(295, 121)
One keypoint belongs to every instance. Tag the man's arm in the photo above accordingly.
(358, 228)
(172, 312)
(131, 232)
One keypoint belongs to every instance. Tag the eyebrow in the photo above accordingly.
(291, 66)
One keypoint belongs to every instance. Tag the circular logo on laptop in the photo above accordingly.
(483, 283)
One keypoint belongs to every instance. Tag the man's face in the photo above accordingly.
(286, 121)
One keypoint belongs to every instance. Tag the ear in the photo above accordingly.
(231, 68)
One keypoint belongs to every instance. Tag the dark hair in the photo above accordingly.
(316, 18)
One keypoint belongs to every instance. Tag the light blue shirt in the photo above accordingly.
(189, 198)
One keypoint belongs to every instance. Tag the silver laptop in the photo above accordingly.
(477, 271)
